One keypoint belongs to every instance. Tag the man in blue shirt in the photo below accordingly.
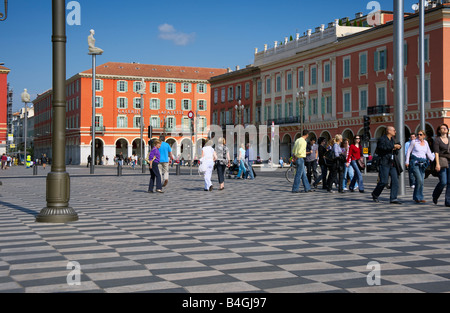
(166, 155)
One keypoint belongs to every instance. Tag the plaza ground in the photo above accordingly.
(254, 236)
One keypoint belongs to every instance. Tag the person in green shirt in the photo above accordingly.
(299, 153)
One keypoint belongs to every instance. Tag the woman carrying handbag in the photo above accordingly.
(418, 157)
(442, 153)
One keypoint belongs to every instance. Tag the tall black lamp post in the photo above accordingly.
(58, 180)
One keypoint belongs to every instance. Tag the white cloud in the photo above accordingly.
(168, 32)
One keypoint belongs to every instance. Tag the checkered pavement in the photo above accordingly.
(254, 236)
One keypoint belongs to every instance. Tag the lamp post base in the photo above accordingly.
(57, 215)
(58, 195)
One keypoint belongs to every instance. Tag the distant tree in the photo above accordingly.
(290, 38)
(340, 22)
(348, 23)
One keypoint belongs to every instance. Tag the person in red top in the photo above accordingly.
(354, 155)
(4, 159)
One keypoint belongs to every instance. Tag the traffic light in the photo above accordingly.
(366, 128)
(150, 132)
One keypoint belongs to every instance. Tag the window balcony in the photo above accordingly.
(286, 120)
(379, 110)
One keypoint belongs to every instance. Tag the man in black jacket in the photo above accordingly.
(386, 148)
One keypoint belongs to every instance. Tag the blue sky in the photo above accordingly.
(205, 33)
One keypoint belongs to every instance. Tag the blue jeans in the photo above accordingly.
(419, 175)
(386, 171)
(444, 180)
(350, 171)
(357, 176)
(300, 175)
(241, 169)
(250, 170)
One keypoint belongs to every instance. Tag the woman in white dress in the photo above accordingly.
(209, 156)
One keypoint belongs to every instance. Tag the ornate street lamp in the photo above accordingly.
(239, 108)
(25, 99)
(58, 181)
(141, 91)
(94, 51)
(4, 16)
(301, 95)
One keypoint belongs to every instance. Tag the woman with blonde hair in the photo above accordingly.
(418, 157)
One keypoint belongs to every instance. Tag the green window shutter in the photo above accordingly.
(375, 61)
(118, 85)
(405, 54)
(323, 105)
(385, 59)
(286, 113)
(309, 107)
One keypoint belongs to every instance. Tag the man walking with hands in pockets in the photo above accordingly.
(299, 152)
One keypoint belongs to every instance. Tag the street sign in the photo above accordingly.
(191, 114)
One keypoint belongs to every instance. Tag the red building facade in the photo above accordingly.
(3, 108)
(170, 93)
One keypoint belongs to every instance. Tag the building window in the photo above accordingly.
(185, 124)
(238, 92)
(98, 102)
(268, 86)
(137, 103)
(137, 86)
(222, 95)
(186, 87)
(122, 86)
(381, 95)
(301, 78)
(363, 99)
(329, 104)
(380, 59)
(154, 104)
(170, 120)
(201, 124)
(289, 81)
(136, 122)
(347, 101)
(201, 105)
(154, 122)
(98, 121)
(230, 93)
(278, 83)
(363, 63)
(186, 105)
(216, 95)
(170, 88)
(201, 88)
(326, 72)
(98, 85)
(122, 121)
(247, 90)
(154, 88)
(347, 68)
(170, 104)
(313, 75)
(122, 103)
(259, 88)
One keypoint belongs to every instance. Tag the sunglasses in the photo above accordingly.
(357, 138)
(420, 134)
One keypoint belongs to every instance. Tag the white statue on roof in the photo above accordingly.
(91, 42)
